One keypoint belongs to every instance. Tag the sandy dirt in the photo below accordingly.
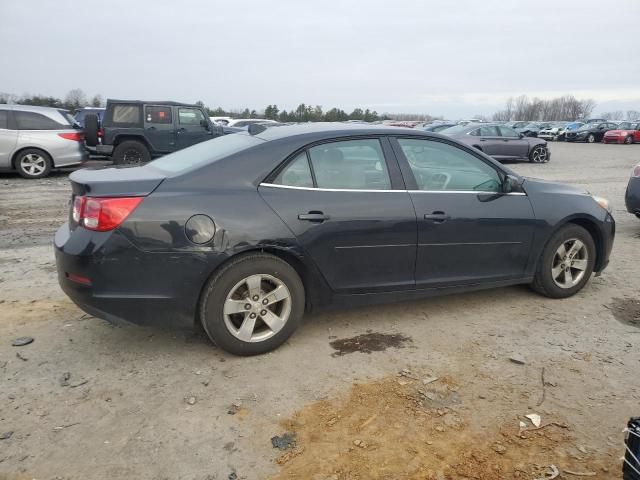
(87, 400)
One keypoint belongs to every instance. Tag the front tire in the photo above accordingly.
(131, 152)
(252, 305)
(33, 163)
(539, 154)
(566, 264)
(591, 138)
(628, 140)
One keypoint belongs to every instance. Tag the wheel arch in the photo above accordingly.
(125, 137)
(16, 154)
(316, 290)
(591, 226)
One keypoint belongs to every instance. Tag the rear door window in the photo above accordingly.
(296, 174)
(4, 119)
(36, 121)
(159, 115)
(351, 164)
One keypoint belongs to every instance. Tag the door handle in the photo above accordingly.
(437, 217)
(318, 217)
(483, 140)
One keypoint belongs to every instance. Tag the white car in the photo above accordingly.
(224, 121)
(245, 122)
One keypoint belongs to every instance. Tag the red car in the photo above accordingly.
(627, 132)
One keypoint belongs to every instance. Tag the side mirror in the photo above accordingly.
(204, 124)
(510, 184)
(521, 135)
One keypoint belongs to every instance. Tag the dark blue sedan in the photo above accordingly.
(246, 232)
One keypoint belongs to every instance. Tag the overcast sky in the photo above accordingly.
(454, 58)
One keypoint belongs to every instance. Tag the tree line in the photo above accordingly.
(519, 108)
(302, 113)
(74, 100)
(535, 109)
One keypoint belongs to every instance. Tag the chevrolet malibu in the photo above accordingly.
(247, 232)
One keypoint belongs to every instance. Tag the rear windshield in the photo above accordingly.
(205, 153)
(456, 129)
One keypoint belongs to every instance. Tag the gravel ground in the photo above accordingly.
(89, 400)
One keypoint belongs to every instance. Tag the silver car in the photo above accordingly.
(35, 140)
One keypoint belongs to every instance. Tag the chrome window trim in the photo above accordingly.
(474, 192)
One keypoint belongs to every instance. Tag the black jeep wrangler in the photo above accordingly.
(134, 131)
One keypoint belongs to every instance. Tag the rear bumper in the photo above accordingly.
(127, 284)
(100, 150)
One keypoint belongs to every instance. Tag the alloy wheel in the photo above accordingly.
(540, 154)
(257, 308)
(628, 140)
(33, 164)
(591, 138)
(569, 263)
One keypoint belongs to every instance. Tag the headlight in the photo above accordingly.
(603, 202)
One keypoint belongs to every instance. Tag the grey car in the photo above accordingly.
(501, 142)
(35, 140)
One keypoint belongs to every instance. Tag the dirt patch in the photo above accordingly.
(389, 430)
(368, 342)
(626, 310)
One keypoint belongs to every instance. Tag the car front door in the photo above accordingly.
(8, 138)
(193, 127)
(346, 203)
(512, 145)
(468, 231)
(159, 128)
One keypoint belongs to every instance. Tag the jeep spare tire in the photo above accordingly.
(91, 129)
(131, 152)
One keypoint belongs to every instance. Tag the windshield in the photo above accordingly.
(205, 152)
(455, 129)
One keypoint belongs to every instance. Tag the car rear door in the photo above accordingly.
(8, 138)
(159, 128)
(490, 141)
(190, 127)
(468, 232)
(346, 203)
(512, 145)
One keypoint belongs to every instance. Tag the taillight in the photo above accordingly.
(103, 214)
(75, 136)
(636, 171)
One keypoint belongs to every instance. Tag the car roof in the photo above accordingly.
(149, 102)
(31, 108)
(334, 129)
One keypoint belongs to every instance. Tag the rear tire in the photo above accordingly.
(131, 152)
(591, 138)
(91, 130)
(33, 163)
(552, 278)
(240, 311)
(628, 140)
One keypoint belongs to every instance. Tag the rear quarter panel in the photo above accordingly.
(62, 151)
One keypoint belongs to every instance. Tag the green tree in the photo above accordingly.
(357, 114)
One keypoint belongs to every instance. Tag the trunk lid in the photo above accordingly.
(116, 181)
